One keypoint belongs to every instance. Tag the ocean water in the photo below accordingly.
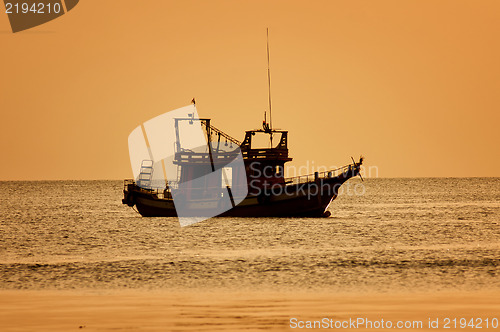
(384, 235)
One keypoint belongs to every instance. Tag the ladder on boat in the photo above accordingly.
(146, 174)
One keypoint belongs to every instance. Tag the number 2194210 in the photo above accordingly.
(462, 323)
(35, 8)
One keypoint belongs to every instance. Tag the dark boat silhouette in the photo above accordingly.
(260, 178)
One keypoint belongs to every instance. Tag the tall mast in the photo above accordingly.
(269, 85)
(269, 81)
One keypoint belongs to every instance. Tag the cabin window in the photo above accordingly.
(227, 176)
(279, 171)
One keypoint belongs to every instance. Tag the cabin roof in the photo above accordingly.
(266, 131)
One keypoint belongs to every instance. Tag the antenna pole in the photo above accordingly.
(269, 81)
(269, 85)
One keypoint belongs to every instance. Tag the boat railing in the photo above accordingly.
(130, 184)
(265, 154)
(318, 175)
(166, 192)
(186, 156)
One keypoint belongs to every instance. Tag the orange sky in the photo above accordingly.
(414, 86)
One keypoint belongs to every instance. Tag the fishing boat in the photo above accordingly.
(259, 181)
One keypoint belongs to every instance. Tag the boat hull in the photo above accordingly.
(309, 199)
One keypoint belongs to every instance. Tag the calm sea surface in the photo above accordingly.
(400, 235)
